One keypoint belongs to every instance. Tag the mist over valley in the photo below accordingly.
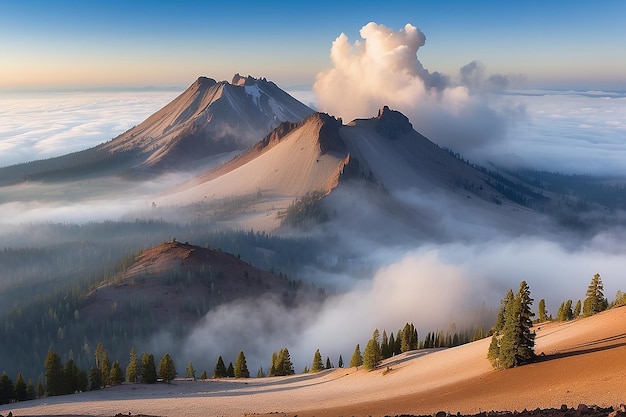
(235, 217)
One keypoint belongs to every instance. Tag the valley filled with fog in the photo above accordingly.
(442, 258)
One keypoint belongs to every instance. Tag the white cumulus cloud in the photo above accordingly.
(383, 68)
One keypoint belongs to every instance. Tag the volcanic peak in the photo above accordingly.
(392, 123)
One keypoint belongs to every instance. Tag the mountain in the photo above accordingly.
(209, 118)
(317, 155)
(178, 283)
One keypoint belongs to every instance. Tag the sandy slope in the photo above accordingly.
(584, 363)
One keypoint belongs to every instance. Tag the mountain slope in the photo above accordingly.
(176, 282)
(207, 119)
(320, 153)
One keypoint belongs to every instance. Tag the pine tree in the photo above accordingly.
(105, 369)
(83, 382)
(21, 389)
(357, 358)
(384, 346)
(329, 365)
(526, 345)
(70, 375)
(132, 370)
(31, 390)
(41, 390)
(514, 343)
(392, 345)
(203, 375)
(317, 365)
(372, 355)
(542, 313)
(502, 313)
(148, 369)
(241, 367)
(220, 371)
(283, 365)
(594, 301)
(95, 379)
(577, 309)
(340, 362)
(167, 371)
(7, 391)
(260, 373)
(230, 372)
(190, 373)
(116, 377)
(54, 374)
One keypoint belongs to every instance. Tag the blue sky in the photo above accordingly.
(77, 44)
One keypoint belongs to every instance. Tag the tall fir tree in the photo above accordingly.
(132, 370)
(53, 371)
(167, 370)
(190, 373)
(340, 362)
(317, 364)
(148, 369)
(513, 344)
(220, 371)
(95, 379)
(594, 301)
(372, 355)
(230, 371)
(577, 309)
(241, 367)
(21, 389)
(116, 376)
(105, 369)
(329, 364)
(357, 358)
(7, 390)
(542, 313)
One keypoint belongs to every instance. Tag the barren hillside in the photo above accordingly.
(583, 363)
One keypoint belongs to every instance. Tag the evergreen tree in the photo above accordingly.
(190, 373)
(384, 346)
(514, 343)
(167, 371)
(283, 365)
(31, 390)
(542, 313)
(273, 365)
(392, 345)
(83, 382)
(105, 369)
(241, 367)
(95, 378)
(7, 391)
(340, 362)
(329, 365)
(594, 301)
(99, 355)
(203, 375)
(357, 358)
(502, 313)
(230, 372)
(577, 309)
(132, 370)
(317, 365)
(41, 390)
(116, 377)
(260, 373)
(372, 355)
(54, 374)
(148, 369)
(21, 389)
(220, 371)
(405, 339)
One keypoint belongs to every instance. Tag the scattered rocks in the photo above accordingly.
(582, 410)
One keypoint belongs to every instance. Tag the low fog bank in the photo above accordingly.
(379, 271)
(43, 125)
